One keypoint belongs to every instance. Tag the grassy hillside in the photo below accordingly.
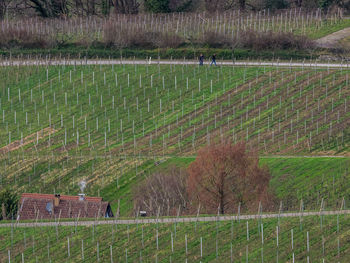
(111, 124)
(293, 180)
(310, 180)
(171, 110)
(298, 178)
(314, 237)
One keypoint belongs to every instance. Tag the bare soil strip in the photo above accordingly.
(27, 140)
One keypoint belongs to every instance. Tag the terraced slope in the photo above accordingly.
(111, 124)
(262, 240)
(171, 110)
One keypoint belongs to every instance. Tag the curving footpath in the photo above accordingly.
(332, 40)
(174, 220)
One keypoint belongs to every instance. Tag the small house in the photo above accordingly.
(49, 206)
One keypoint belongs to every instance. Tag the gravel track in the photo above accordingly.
(6, 63)
(331, 40)
(174, 220)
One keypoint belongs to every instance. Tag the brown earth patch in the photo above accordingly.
(27, 140)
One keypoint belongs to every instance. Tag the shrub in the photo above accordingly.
(215, 40)
(272, 40)
(22, 38)
(117, 35)
(8, 204)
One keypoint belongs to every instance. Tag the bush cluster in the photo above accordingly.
(117, 36)
(13, 37)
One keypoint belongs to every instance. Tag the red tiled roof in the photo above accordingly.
(62, 197)
(33, 206)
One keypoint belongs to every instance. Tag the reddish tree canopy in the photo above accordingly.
(224, 175)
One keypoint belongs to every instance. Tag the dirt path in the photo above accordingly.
(332, 40)
(176, 220)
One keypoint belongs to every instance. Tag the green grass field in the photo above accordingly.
(328, 28)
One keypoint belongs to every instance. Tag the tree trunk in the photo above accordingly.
(222, 192)
(242, 4)
(222, 209)
(125, 6)
(3, 211)
(298, 3)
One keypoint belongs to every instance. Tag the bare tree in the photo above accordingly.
(213, 5)
(126, 6)
(224, 175)
(5, 5)
(242, 4)
(49, 8)
(163, 192)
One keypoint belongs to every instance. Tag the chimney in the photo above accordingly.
(81, 197)
(56, 200)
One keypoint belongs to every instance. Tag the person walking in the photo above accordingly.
(201, 60)
(213, 60)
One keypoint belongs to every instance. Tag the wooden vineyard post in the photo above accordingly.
(98, 252)
(68, 248)
(247, 226)
(262, 243)
(323, 241)
(111, 253)
(301, 214)
(292, 243)
(82, 249)
(33, 246)
(172, 243)
(321, 214)
(338, 251)
(307, 247)
(277, 243)
(142, 243)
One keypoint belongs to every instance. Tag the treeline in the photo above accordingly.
(82, 8)
(223, 177)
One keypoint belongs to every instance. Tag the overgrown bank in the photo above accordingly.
(163, 53)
